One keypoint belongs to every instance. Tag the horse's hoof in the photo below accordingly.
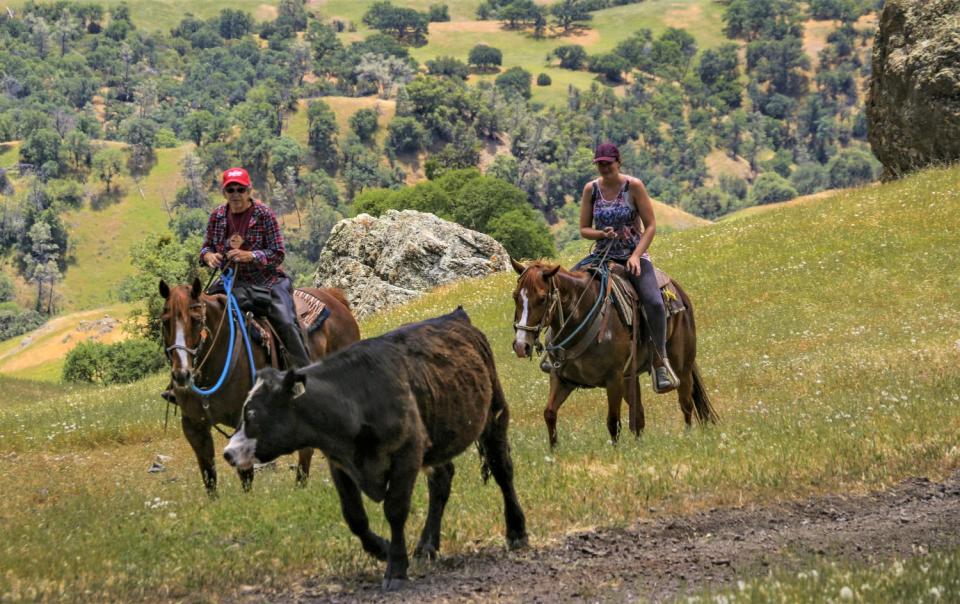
(515, 543)
(393, 584)
(378, 549)
(426, 552)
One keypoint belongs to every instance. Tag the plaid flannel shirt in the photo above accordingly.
(263, 238)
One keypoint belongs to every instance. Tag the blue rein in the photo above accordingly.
(233, 311)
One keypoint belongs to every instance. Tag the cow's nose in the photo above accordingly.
(228, 455)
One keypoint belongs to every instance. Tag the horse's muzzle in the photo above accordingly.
(522, 349)
(181, 378)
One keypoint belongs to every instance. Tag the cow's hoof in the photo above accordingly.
(426, 552)
(394, 584)
(515, 543)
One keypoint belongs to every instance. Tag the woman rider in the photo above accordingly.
(616, 211)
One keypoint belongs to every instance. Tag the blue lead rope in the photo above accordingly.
(232, 311)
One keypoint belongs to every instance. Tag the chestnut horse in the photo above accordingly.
(197, 332)
(604, 361)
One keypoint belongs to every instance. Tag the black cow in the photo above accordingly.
(381, 410)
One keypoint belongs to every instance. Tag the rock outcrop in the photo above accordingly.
(913, 108)
(381, 262)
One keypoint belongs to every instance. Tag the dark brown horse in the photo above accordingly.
(548, 296)
(196, 331)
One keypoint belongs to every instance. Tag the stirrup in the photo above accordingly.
(672, 380)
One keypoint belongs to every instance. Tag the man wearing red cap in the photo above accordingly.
(245, 233)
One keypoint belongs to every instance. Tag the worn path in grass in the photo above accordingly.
(667, 557)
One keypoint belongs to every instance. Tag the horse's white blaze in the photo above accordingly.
(180, 341)
(523, 337)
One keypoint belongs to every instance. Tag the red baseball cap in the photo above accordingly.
(237, 175)
(606, 152)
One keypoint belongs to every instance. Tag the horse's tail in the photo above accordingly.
(701, 400)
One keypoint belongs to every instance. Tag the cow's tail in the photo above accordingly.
(495, 433)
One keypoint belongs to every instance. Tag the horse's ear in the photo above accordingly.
(518, 266)
(164, 289)
(550, 272)
(196, 288)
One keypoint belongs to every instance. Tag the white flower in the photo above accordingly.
(846, 593)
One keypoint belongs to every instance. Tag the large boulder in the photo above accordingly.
(381, 262)
(913, 107)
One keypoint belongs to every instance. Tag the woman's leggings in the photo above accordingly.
(652, 300)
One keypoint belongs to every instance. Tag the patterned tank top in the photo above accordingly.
(620, 214)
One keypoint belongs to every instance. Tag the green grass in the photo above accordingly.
(101, 238)
(929, 577)
(827, 341)
(166, 14)
(9, 155)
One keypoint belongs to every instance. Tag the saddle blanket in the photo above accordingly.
(624, 295)
(311, 311)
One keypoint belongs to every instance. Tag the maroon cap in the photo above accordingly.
(606, 152)
(237, 175)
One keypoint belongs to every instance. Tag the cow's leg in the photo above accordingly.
(396, 508)
(496, 453)
(439, 486)
(198, 435)
(614, 403)
(351, 505)
(303, 465)
(559, 391)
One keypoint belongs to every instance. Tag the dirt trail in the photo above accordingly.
(664, 558)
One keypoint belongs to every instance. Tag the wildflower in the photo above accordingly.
(846, 593)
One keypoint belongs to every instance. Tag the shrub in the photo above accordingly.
(364, 123)
(119, 363)
(485, 57)
(708, 203)
(6, 288)
(523, 233)
(15, 321)
(543, 80)
(405, 134)
(572, 56)
(438, 13)
(810, 177)
(852, 167)
(770, 187)
(166, 139)
(610, 65)
(515, 80)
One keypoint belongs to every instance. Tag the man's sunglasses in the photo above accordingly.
(604, 164)
(236, 189)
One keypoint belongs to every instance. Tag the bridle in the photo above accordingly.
(195, 351)
(554, 303)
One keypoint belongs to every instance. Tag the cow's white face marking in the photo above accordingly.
(523, 337)
(241, 451)
(181, 342)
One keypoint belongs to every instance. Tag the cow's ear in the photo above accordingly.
(196, 288)
(518, 266)
(164, 289)
(294, 382)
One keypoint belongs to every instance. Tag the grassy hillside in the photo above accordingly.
(101, 236)
(827, 339)
(39, 355)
